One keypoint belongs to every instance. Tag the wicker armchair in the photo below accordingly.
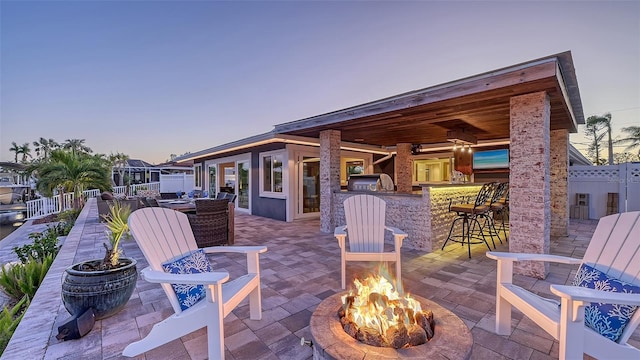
(212, 224)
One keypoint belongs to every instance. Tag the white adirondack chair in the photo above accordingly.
(365, 216)
(164, 234)
(615, 250)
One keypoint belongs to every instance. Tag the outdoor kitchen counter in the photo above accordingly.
(423, 215)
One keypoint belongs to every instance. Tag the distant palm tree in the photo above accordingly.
(633, 139)
(594, 147)
(25, 151)
(45, 146)
(76, 146)
(119, 161)
(603, 122)
(70, 171)
(16, 149)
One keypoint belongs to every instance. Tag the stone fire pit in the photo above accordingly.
(452, 339)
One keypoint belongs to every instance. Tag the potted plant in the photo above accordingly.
(103, 284)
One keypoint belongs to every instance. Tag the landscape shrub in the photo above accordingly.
(9, 320)
(44, 244)
(22, 279)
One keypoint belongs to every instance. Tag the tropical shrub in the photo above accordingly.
(45, 244)
(23, 279)
(9, 320)
(72, 171)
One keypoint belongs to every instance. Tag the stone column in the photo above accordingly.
(329, 177)
(559, 182)
(529, 180)
(403, 168)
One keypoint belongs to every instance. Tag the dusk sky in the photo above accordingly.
(152, 78)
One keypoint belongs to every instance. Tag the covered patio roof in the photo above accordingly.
(479, 105)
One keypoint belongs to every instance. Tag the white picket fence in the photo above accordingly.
(599, 181)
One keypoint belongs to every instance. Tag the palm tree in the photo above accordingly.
(76, 146)
(25, 151)
(16, 149)
(633, 139)
(594, 147)
(119, 161)
(46, 146)
(603, 122)
(70, 171)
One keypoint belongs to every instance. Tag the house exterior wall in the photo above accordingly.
(260, 206)
(529, 179)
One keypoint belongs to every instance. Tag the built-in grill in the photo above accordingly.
(371, 182)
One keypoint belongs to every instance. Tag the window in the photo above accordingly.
(272, 170)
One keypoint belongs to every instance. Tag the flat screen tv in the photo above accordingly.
(491, 159)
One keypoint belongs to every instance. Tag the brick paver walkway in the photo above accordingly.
(299, 270)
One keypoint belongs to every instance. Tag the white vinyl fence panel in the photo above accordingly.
(599, 181)
(45, 206)
(172, 183)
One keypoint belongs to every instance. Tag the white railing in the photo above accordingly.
(46, 206)
(133, 189)
(599, 181)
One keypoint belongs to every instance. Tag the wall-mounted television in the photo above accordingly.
(491, 159)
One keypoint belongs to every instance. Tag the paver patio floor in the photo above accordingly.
(301, 268)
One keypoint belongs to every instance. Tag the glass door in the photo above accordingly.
(308, 199)
(243, 184)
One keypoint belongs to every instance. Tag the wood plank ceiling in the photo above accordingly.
(479, 105)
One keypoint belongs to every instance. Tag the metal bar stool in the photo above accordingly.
(502, 209)
(496, 205)
(468, 214)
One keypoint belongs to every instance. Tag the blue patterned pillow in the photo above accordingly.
(192, 263)
(606, 319)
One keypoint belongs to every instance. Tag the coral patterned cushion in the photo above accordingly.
(192, 263)
(606, 319)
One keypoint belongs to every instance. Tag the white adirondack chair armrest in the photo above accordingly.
(508, 256)
(340, 231)
(235, 249)
(206, 278)
(578, 293)
(395, 231)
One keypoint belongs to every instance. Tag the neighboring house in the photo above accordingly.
(577, 158)
(139, 171)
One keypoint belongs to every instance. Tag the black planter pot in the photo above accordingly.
(106, 291)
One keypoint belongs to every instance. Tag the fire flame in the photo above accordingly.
(376, 304)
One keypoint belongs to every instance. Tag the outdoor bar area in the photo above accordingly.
(526, 110)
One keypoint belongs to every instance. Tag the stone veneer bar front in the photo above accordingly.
(424, 216)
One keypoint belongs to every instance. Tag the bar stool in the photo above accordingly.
(502, 209)
(496, 206)
(468, 214)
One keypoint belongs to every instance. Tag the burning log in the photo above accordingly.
(370, 336)
(351, 329)
(417, 335)
(425, 320)
(397, 336)
(378, 316)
